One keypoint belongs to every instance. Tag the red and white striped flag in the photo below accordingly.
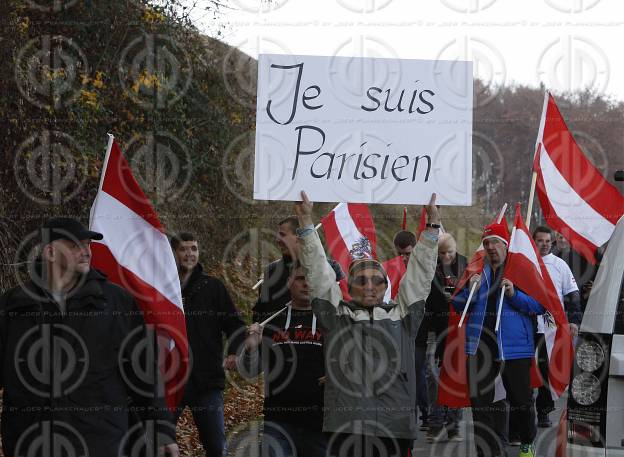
(350, 234)
(395, 269)
(575, 198)
(453, 382)
(525, 268)
(136, 255)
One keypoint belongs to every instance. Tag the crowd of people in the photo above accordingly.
(345, 374)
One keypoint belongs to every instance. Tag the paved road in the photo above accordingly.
(244, 442)
(544, 443)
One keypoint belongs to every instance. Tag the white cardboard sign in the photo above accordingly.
(365, 130)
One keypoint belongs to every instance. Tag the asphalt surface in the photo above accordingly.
(545, 442)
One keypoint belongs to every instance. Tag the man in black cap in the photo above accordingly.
(67, 362)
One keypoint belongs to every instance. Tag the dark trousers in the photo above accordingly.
(439, 415)
(207, 409)
(482, 371)
(422, 395)
(351, 445)
(544, 402)
(281, 439)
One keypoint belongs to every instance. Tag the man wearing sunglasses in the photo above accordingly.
(369, 344)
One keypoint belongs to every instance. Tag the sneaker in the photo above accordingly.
(513, 441)
(454, 435)
(543, 421)
(435, 436)
(526, 450)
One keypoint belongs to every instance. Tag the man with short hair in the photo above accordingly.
(507, 351)
(583, 271)
(369, 344)
(570, 299)
(209, 313)
(450, 267)
(67, 369)
(404, 242)
(274, 293)
(293, 365)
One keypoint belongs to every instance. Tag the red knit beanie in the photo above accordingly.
(498, 231)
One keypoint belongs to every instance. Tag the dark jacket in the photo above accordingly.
(72, 377)
(437, 307)
(274, 293)
(209, 312)
(291, 357)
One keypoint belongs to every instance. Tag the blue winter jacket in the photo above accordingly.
(515, 333)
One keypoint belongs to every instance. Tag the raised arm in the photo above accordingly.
(416, 283)
(320, 276)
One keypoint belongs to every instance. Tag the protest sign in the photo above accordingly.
(367, 130)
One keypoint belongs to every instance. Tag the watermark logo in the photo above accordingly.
(572, 63)
(49, 71)
(50, 168)
(155, 71)
(51, 360)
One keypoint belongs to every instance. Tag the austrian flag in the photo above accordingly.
(526, 270)
(575, 199)
(135, 254)
(350, 234)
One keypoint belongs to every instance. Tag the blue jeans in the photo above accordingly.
(281, 439)
(207, 409)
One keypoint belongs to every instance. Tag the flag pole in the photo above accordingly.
(261, 280)
(465, 311)
(109, 147)
(502, 294)
(500, 308)
(501, 213)
(538, 147)
(273, 316)
(531, 196)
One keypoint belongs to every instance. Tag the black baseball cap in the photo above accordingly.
(66, 228)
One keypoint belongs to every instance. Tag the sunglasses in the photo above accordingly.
(374, 280)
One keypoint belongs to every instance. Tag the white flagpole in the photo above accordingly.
(109, 147)
(501, 213)
(465, 311)
(261, 280)
(269, 319)
(499, 309)
(531, 196)
(538, 147)
(502, 294)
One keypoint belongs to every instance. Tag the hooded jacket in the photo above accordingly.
(70, 379)
(515, 333)
(369, 352)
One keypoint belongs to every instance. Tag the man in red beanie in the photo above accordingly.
(507, 351)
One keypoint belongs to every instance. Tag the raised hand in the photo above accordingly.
(433, 215)
(303, 210)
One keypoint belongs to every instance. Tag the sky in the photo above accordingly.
(567, 45)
